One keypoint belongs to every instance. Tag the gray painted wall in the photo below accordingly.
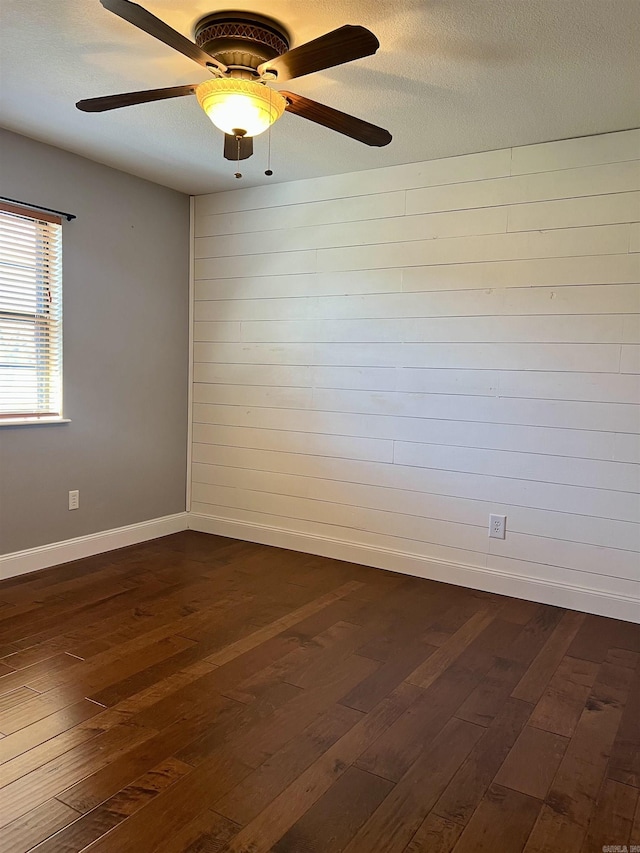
(125, 266)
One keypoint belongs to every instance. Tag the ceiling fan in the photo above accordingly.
(246, 52)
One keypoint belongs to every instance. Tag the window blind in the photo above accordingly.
(30, 313)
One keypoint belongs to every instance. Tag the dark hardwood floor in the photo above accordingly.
(200, 694)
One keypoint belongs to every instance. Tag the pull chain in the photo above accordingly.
(238, 173)
(268, 172)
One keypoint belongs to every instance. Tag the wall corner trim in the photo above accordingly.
(580, 598)
(45, 556)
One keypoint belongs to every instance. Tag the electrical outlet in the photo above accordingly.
(74, 499)
(497, 526)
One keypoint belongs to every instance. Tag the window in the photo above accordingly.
(30, 314)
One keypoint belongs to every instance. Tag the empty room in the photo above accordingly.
(320, 426)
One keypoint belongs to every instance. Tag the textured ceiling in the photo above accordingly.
(451, 77)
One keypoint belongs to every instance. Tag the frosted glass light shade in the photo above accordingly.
(240, 105)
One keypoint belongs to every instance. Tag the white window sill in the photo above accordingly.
(19, 422)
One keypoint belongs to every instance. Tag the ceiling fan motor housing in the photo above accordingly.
(241, 40)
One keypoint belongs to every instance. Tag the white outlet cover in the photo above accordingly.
(497, 526)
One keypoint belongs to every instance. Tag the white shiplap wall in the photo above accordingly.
(383, 358)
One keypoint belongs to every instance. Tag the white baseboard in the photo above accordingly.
(21, 562)
(475, 577)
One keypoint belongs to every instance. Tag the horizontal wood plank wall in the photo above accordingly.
(383, 358)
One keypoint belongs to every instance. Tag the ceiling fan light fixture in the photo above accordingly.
(245, 105)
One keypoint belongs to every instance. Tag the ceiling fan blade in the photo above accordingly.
(126, 99)
(231, 147)
(147, 22)
(342, 45)
(351, 126)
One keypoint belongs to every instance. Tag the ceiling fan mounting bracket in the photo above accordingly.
(241, 40)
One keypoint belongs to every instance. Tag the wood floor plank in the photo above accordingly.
(33, 736)
(89, 681)
(14, 698)
(532, 763)
(253, 662)
(98, 674)
(136, 683)
(81, 574)
(535, 634)
(337, 641)
(36, 584)
(437, 663)
(257, 637)
(624, 764)
(587, 754)
(45, 752)
(33, 707)
(561, 704)
(227, 615)
(345, 640)
(332, 822)
(156, 607)
(574, 790)
(31, 655)
(170, 810)
(395, 669)
(401, 619)
(208, 832)
(532, 684)
(260, 834)
(344, 609)
(519, 611)
(131, 709)
(180, 695)
(613, 818)
(635, 828)
(44, 620)
(24, 833)
(598, 635)
(488, 698)
(239, 725)
(435, 835)
(7, 649)
(453, 614)
(467, 788)
(394, 823)
(139, 759)
(395, 751)
(244, 802)
(55, 776)
(502, 821)
(96, 823)
(554, 831)
(31, 675)
(274, 731)
(91, 622)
